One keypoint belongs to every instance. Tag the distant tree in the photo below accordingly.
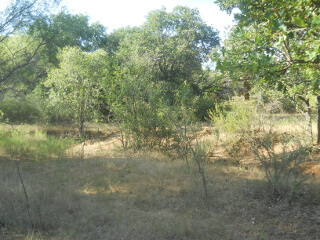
(67, 30)
(170, 48)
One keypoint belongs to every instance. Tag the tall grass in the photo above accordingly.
(35, 145)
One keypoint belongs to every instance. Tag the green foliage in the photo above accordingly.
(17, 51)
(146, 117)
(280, 43)
(203, 105)
(275, 102)
(235, 117)
(75, 85)
(22, 70)
(36, 145)
(276, 45)
(67, 30)
(20, 110)
(138, 106)
(183, 120)
(169, 48)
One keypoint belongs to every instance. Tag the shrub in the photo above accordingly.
(199, 157)
(203, 105)
(20, 110)
(282, 169)
(140, 109)
(235, 117)
(238, 119)
(272, 101)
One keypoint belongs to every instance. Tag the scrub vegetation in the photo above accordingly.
(161, 131)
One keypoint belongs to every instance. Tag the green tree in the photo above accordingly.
(15, 17)
(65, 29)
(75, 85)
(137, 105)
(170, 48)
(275, 43)
(23, 80)
(115, 38)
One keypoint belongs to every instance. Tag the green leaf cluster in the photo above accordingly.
(274, 43)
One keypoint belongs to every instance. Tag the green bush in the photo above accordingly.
(235, 117)
(140, 109)
(57, 115)
(202, 107)
(20, 110)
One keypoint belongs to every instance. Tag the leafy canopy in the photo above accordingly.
(170, 47)
(64, 29)
(274, 42)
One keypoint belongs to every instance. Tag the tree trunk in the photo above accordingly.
(81, 128)
(307, 114)
(247, 88)
(309, 125)
(318, 134)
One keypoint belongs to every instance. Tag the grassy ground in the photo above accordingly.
(114, 195)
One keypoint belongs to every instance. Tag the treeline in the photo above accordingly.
(141, 77)
(60, 68)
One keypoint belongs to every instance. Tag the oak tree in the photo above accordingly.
(275, 43)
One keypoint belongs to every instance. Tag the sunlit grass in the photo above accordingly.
(34, 145)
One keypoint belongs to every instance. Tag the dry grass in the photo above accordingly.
(142, 198)
(114, 195)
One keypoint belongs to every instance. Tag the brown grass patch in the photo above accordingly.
(148, 198)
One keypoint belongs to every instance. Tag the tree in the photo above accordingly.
(75, 85)
(64, 29)
(170, 48)
(115, 38)
(158, 68)
(137, 105)
(17, 15)
(275, 43)
(25, 79)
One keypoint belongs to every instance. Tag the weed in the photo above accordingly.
(199, 156)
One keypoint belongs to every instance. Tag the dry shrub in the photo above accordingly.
(280, 157)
